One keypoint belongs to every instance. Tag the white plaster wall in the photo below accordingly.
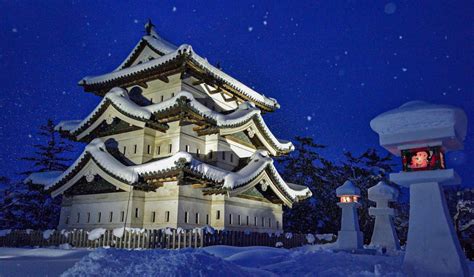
(83, 205)
(253, 209)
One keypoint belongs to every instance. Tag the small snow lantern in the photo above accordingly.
(348, 193)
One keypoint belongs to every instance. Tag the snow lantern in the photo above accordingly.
(384, 234)
(349, 237)
(421, 133)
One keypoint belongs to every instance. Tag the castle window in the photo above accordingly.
(187, 148)
(153, 216)
(158, 150)
(263, 221)
(172, 95)
(207, 219)
(247, 220)
(151, 100)
(230, 219)
(137, 213)
(148, 149)
(78, 217)
(210, 154)
(122, 216)
(231, 157)
(278, 224)
(240, 222)
(197, 218)
(223, 155)
(270, 222)
(124, 150)
(198, 151)
(170, 147)
(167, 216)
(218, 215)
(255, 221)
(186, 217)
(135, 149)
(88, 217)
(111, 216)
(162, 98)
(67, 220)
(99, 217)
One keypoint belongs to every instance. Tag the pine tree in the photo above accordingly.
(301, 167)
(34, 207)
(49, 157)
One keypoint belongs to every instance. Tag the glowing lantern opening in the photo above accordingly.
(348, 198)
(426, 158)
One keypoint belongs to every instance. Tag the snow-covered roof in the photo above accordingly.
(96, 150)
(119, 98)
(419, 122)
(169, 53)
(348, 188)
(152, 40)
(382, 191)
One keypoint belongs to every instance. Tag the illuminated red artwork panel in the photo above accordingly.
(426, 158)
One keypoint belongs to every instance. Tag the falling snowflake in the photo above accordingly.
(250, 29)
(404, 69)
(309, 118)
(30, 136)
(395, 77)
(400, 37)
(135, 21)
(174, 9)
(109, 54)
(14, 30)
(265, 22)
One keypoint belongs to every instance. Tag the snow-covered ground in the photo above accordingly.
(209, 261)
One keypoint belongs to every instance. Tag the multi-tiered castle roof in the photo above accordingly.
(153, 59)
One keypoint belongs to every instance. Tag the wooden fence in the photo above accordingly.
(148, 239)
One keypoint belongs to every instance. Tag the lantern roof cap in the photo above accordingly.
(382, 191)
(422, 124)
(348, 188)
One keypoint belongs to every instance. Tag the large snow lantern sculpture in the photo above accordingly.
(384, 234)
(421, 133)
(349, 237)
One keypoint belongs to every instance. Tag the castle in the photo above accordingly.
(175, 142)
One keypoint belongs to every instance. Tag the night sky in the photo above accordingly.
(332, 65)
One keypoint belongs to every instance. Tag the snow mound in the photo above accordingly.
(4, 233)
(95, 234)
(47, 234)
(187, 262)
